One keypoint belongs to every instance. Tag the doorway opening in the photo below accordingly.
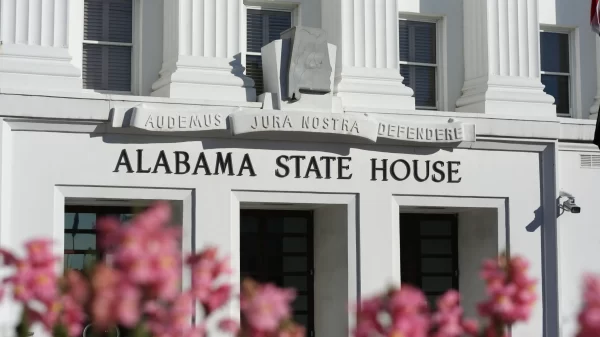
(276, 246)
(429, 252)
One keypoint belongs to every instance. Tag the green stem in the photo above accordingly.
(23, 327)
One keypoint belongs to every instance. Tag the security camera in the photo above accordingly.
(569, 205)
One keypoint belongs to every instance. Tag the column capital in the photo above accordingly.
(34, 52)
(202, 51)
(502, 59)
(366, 35)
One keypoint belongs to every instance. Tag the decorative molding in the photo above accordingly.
(34, 46)
(502, 61)
(298, 72)
(340, 124)
(366, 35)
(203, 59)
(451, 132)
(151, 119)
(239, 122)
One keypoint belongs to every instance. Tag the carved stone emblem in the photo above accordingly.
(309, 67)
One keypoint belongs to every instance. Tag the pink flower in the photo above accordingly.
(217, 298)
(408, 299)
(174, 320)
(34, 277)
(511, 291)
(127, 305)
(8, 258)
(265, 306)
(108, 231)
(229, 325)
(146, 251)
(39, 252)
(448, 320)
(77, 287)
(589, 315)
(407, 307)
(73, 316)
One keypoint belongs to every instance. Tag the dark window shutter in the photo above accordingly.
(92, 66)
(93, 20)
(425, 86)
(278, 22)
(120, 21)
(554, 55)
(119, 68)
(106, 66)
(404, 40)
(558, 87)
(254, 71)
(418, 44)
(554, 52)
(424, 37)
(254, 28)
(262, 28)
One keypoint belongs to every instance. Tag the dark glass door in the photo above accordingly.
(277, 247)
(429, 252)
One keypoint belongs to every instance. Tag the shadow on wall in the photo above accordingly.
(238, 69)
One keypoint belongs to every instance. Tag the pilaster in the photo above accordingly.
(502, 59)
(366, 34)
(34, 46)
(202, 51)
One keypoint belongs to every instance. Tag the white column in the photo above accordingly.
(596, 105)
(34, 46)
(202, 45)
(366, 35)
(502, 59)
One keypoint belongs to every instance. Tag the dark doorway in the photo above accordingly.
(429, 252)
(277, 247)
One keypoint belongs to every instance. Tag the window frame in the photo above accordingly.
(440, 65)
(288, 7)
(100, 211)
(574, 69)
(136, 40)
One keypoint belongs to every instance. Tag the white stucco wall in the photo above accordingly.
(42, 162)
(578, 234)
(56, 143)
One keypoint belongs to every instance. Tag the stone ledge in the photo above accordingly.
(97, 107)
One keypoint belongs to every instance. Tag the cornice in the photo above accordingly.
(68, 108)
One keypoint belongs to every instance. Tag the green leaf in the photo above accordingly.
(22, 328)
(60, 331)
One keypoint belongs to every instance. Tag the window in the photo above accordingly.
(81, 245)
(107, 45)
(418, 61)
(263, 27)
(429, 252)
(554, 53)
(277, 247)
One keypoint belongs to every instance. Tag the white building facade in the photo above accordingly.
(451, 131)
